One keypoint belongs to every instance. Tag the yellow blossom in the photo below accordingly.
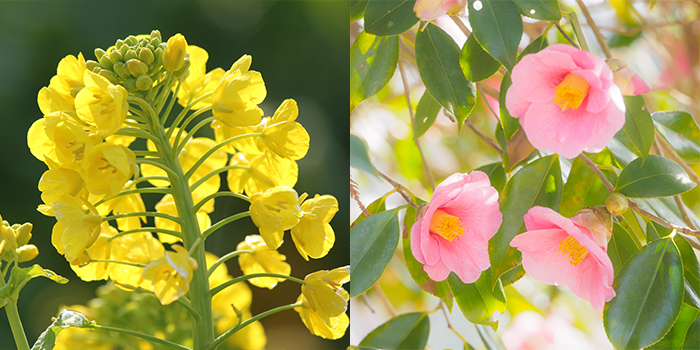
(313, 235)
(106, 168)
(57, 182)
(64, 86)
(141, 248)
(167, 206)
(273, 212)
(59, 138)
(132, 203)
(102, 104)
(76, 229)
(51, 101)
(318, 326)
(101, 249)
(283, 135)
(262, 260)
(197, 82)
(261, 173)
(175, 51)
(325, 295)
(238, 95)
(171, 275)
(247, 145)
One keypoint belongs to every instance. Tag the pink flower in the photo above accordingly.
(629, 82)
(430, 9)
(454, 231)
(566, 100)
(557, 250)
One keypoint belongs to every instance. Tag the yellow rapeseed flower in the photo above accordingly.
(106, 168)
(246, 145)
(102, 104)
(59, 138)
(323, 290)
(262, 260)
(273, 212)
(167, 206)
(283, 135)
(313, 235)
(141, 248)
(175, 51)
(238, 95)
(261, 172)
(64, 86)
(132, 203)
(318, 326)
(170, 275)
(76, 229)
(101, 249)
(57, 182)
(198, 82)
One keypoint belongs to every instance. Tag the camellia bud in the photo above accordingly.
(27, 252)
(597, 220)
(616, 204)
(629, 82)
(175, 51)
(136, 67)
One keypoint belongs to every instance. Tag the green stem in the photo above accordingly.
(577, 30)
(171, 103)
(227, 257)
(148, 229)
(223, 286)
(216, 195)
(192, 132)
(156, 163)
(140, 335)
(161, 190)
(117, 262)
(182, 114)
(223, 222)
(184, 302)
(16, 325)
(136, 133)
(144, 213)
(189, 119)
(216, 172)
(216, 148)
(220, 339)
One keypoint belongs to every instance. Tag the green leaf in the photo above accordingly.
(649, 292)
(426, 112)
(622, 247)
(681, 131)
(477, 300)
(675, 337)
(538, 183)
(496, 174)
(476, 63)
(501, 139)
(691, 272)
(639, 127)
(655, 231)
(656, 177)
(583, 188)
(373, 243)
(20, 276)
(373, 60)
(407, 331)
(535, 46)
(546, 10)
(439, 289)
(359, 155)
(437, 58)
(667, 209)
(357, 9)
(620, 40)
(510, 124)
(65, 319)
(385, 18)
(379, 205)
(498, 27)
(692, 338)
(513, 275)
(623, 155)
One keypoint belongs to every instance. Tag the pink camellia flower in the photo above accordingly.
(454, 231)
(629, 82)
(429, 9)
(566, 100)
(557, 250)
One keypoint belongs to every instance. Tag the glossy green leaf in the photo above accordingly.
(478, 301)
(513, 275)
(373, 60)
(649, 292)
(439, 289)
(667, 209)
(639, 127)
(691, 272)
(622, 247)
(503, 143)
(496, 174)
(19, 278)
(491, 340)
(379, 205)
(583, 187)
(546, 10)
(675, 338)
(407, 331)
(510, 124)
(498, 27)
(623, 155)
(681, 132)
(476, 63)
(386, 18)
(655, 231)
(373, 243)
(692, 337)
(357, 9)
(409, 159)
(359, 155)
(437, 58)
(535, 46)
(538, 183)
(426, 113)
(656, 177)
(65, 319)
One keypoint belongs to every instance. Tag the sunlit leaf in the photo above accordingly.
(357, 9)
(478, 301)
(359, 155)
(386, 18)
(373, 242)
(373, 60)
(681, 132)
(496, 174)
(583, 188)
(656, 177)
(622, 247)
(638, 127)
(426, 113)
(498, 27)
(546, 10)
(407, 331)
(19, 278)
(65, 319)
(476, 63)
(675, 338)
(510, 124)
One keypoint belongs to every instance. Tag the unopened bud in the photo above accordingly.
(131, 40)
(99, 53)
(110, 76)
(123, 49)
(629, 82)
(130, 54)
(90, 65)
(130, 84)
(182, 72)
(105, 62)
(146, 55)
(598, 221)
(24, 233)
(121, 70)
(175, 51)
(158, 53)
(616, 204)
(155, 34)
(115, 56)
(27, 252)
(136, 67)
(144, 82)
(120, 43)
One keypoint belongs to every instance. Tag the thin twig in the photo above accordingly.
(484, 137)
(406, 88)
(667, 150)
(596, 30)
(488, 105)
(449, 325)
(461, 25)
(684, 213)
(566, 36)
(595, 169)
(488, 90)
(355, 194)
(399, 188)
(385, 300)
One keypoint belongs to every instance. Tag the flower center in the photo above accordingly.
(571, 92)
(572, 249)
(446, 225)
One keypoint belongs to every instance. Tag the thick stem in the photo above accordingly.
(16, 325)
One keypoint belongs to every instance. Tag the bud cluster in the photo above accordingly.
(14, 241)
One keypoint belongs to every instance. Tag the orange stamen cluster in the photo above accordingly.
(446, 225)
(571, 92)
(570, 248)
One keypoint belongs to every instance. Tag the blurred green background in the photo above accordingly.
(301, 49)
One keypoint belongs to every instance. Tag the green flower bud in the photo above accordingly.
(131, 40)
(24, 233)
(158, 53)
(123, 49)
(130, 84)
(130, 54)
(155, 34)
(144, 82)
(121, 70)
(115, 56)
(616, 203)
(27, 252)
(74, 92)
(110, 76)
(99, 53)
(97, 69)
(146, 55)
(90, 65)
(136, 67)
(175, 52)
(120, 43)
(105, 62)
(155, 42)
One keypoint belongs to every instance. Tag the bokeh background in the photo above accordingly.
(301, 49)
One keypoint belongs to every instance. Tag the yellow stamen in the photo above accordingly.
(446, 225)
(572, 249)
(571, 92)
